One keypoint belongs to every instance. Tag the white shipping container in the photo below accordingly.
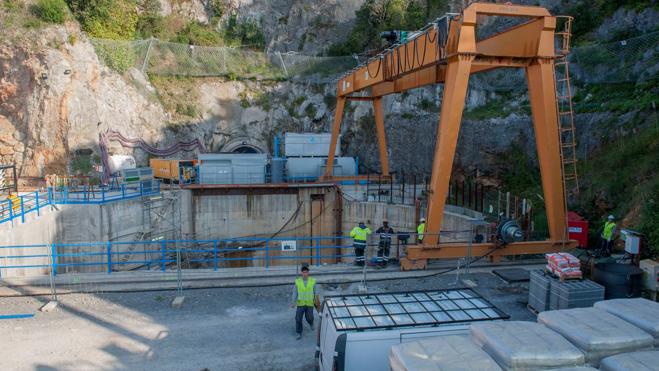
(232, 168)
(309, 145)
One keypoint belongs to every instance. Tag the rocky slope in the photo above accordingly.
(55, 97)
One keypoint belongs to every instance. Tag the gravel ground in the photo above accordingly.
(216, 329)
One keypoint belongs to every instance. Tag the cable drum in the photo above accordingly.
(509, 231)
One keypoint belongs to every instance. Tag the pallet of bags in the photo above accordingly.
(564, 265)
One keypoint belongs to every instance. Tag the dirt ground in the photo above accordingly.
(216, 329)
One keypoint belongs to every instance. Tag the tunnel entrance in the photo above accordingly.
(242, 145)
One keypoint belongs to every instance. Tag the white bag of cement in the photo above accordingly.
(518, 345)
(596, 332)
(454, 353)
(640, 312)
(636, 361)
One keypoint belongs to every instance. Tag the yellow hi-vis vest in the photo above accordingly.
(607, 233)
(420, 230)
(360, 234)
(305, 293)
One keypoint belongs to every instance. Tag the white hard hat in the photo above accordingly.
(611, 217)
(423, 219)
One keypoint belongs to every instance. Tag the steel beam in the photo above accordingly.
(455, 92)
(459, 250)
(542, 94)
(382, 139)
(336, 130)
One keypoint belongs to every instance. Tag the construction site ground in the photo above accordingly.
(230, 328)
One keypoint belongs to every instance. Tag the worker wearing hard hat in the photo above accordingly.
(304, 299)
(385, 232)
(421, 230)
(608, 234)
(359, 235)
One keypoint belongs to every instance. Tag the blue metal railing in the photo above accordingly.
(102, 194)
(19, 206)
(109, 257)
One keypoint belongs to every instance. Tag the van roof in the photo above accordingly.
(410, 308)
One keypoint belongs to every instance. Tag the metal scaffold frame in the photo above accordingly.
(447, 51)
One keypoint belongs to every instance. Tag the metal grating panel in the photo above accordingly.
(371, 311)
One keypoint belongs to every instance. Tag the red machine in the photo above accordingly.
(577, 228)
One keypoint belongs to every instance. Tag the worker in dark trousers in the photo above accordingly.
(359, 236)
(608, 235)
(304, 299)
(385, 232)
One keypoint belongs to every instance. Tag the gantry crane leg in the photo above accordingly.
(382, 139)
(455, 92)
(336, 130)
(542, 95)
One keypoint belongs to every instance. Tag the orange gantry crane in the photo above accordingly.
(448, 51)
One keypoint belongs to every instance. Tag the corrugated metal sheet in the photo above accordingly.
(310, 168)
(232, 168)
(309, 144)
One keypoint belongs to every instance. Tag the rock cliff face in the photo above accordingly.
(55, 97)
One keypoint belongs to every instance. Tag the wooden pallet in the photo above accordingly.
(563, 279)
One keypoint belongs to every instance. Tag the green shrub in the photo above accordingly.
(196, 33)
(81, 165)
(375, 16)
(53, 11)
(118, 57)
(311, 110)
(246, 33)
(186, 109)
(106, 19)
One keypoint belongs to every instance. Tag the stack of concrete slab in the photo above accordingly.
(574, 294)
(455, 352)
(640, 312)
(635, 361)
(518, 345)
(596, 332)
(539, 289)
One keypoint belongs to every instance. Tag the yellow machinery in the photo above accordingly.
(448, 52)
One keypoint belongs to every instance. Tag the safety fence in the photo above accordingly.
(16, 207)
(466, 193)
(110, 257)
(629, 60)
(89, 194)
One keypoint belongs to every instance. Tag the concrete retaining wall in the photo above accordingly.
(295, 211)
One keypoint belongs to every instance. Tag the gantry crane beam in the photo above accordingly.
(448, 52)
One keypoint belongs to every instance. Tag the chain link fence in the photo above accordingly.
(630, 60)
(172, 59)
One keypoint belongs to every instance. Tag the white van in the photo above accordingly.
(357, 331)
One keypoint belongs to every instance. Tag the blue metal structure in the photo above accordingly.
(22, 205)
(149, 255)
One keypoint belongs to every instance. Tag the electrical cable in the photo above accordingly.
(368, 70)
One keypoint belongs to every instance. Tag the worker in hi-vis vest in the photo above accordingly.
(359, 236)
(608, 234)
(421, 229)
(305, 299)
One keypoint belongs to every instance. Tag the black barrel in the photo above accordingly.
(619, 280)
